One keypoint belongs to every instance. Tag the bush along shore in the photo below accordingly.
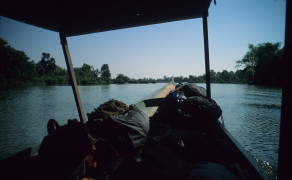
(261, 65)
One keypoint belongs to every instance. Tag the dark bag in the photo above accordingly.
(156, 161)
(201, 109)
(192, 111)
(136, 122)
(191, 89)
(125, 131)
(111, 107)
(64, 148)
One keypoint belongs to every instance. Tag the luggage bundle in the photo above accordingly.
(75, 150)
(120, 142)
(188, 107)
(117, 131)
(105, 110)
(136, 155)
(66, 151)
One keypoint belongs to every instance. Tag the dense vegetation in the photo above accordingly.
(260, 65)
(17, 68)
(263, 64)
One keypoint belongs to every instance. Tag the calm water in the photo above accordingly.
(251, 113)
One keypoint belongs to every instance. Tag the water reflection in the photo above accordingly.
(252, 116)
(24, 111)
(262, 106)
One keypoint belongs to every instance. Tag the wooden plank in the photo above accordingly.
(149, 111)
(72, 78)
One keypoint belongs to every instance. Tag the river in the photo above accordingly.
(250, 113)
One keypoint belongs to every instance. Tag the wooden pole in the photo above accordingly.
(206, 47)
(72, 77)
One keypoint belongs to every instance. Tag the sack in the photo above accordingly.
(201, 109)
(111, 107)
(182, 111)
(64, 148)
(191, 89)
(125, 131)
(136, 122)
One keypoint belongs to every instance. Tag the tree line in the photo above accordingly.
(17, 68)
(260, 65)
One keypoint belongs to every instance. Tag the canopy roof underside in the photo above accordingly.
(87, 16)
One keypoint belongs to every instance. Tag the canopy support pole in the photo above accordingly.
(285, 145)
(72, 77)
(207, 63)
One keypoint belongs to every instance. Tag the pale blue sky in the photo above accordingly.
(171, 49)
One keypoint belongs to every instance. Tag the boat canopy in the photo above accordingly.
(72, 18)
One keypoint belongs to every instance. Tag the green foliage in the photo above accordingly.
(262, 64)
(60, 71)
(16, 67)
(121, 79)
(87, 75)
(219, 77)
(105, 71)
(223, 76)
(48, 73)
(47, 65)
(50, 80)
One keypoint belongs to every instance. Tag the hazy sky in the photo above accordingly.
(171, 49)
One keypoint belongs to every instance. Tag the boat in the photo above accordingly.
(73, 18)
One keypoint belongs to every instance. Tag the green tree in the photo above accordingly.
(47, 65)
(262, 63)
(105, 71)
(212, 75)
(224, 76)
(121, 79)
(16, 66)
(60, 71)
(240, 75)
(192, 78)
(96, 72)
(87, 68)
(86, 74)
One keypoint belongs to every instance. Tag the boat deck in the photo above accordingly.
(161, 93)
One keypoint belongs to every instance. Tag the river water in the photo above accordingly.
(250, 113)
